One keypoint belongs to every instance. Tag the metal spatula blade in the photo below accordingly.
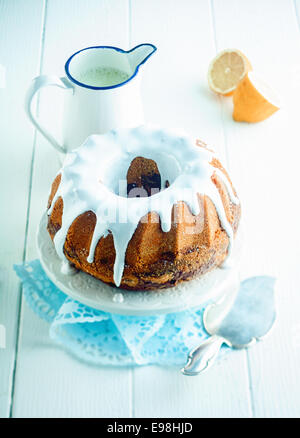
(250, 318)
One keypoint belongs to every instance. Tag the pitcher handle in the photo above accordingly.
(36, 85)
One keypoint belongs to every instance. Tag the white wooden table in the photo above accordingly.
(37, 378)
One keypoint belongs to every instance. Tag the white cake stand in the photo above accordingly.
(220, 284)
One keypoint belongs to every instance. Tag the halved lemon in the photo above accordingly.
(226, 71)
(254, 100)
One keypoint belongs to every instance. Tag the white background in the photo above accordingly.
(37, 378)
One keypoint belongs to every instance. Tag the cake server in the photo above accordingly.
(249, 319)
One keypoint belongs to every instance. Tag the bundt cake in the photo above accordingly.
(143, 209)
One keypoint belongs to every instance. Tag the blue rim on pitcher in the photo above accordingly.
(117, 49)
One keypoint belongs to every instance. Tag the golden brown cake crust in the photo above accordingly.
(154, 259)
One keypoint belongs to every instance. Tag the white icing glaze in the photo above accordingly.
(93, 178)
(67, 268)
(118, 298)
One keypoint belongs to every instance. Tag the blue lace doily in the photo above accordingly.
(108, 339)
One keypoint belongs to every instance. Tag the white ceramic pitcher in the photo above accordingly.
(92, 107)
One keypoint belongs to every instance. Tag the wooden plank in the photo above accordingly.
(297, 11)
(60, 386)
(50, 383)
(176, 95)
(174, 83)
(221, 392)
(19, 28)
(264, 161)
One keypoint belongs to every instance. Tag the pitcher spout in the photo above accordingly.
(140, 54)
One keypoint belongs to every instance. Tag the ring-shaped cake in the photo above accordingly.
(179, 223)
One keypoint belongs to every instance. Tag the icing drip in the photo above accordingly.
(67, 268)
(89, 184)
(118, 298)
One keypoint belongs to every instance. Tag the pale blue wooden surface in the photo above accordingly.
(36, 377)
